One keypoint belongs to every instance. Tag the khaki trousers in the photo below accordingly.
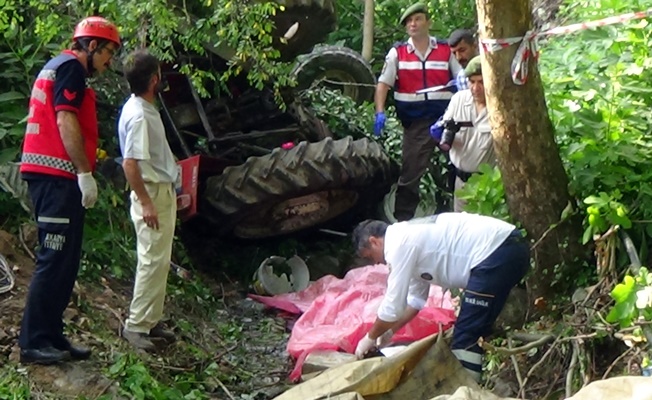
(154, 248)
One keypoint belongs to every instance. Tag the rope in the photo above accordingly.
(7, 279)
(528, 48)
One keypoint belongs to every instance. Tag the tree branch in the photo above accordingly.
(571, 369)
(517, 350)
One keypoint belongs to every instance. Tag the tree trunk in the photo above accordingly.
(368, 30)
(536, 185)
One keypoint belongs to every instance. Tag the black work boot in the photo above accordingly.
(76, 352)
(44, 356)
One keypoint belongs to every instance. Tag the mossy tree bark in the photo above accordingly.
(536, 184)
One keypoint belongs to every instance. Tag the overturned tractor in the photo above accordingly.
(252, 169)
(255, 170)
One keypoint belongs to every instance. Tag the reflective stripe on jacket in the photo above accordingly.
(43, 150)
(413, 74)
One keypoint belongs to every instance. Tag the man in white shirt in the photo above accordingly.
(473, 143)
(151, 171)
(483, 255)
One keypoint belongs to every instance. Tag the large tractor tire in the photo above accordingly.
(338, 68)
(292, 190)
(314, 20)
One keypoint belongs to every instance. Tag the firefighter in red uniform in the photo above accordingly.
(58, 160)
(419, 63)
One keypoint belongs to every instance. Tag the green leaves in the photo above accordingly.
(11, 96)
(137, 382)
(603, 211)
(13, 384)
(633, 298)
(485, 193)
(599, 92)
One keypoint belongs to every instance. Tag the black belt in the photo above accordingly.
(515, 237)
(463, 175)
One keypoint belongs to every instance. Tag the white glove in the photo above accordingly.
(88, 188)
(384, 339)
(364, 345)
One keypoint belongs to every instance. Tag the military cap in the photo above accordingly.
(474, 67)
(413, 9)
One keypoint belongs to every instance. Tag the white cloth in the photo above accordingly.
(474, 145)
(142, 137)
(388, 74)
(421, 252)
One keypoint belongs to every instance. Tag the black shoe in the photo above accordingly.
(45, 356)
(79, 352)
(76, 352)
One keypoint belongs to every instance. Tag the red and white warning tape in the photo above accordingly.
(528, 47)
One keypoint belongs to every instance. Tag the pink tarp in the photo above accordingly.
(337, 313)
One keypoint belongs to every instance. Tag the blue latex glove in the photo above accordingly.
(379, 124)
(437, 129)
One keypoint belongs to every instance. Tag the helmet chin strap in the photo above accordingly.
(89, 60)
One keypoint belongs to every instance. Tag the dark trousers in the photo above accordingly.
(60, 219)
(417, 148)
(485, 295)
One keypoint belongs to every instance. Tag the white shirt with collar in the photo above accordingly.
(142, 137)
(388, 75)
(473, 145)
(440, 250)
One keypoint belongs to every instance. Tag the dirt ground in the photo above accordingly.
(241, 342)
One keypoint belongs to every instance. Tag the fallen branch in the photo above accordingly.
(616, 361)
(527, 337)
(219, 382)
(552, 387)
(516, 350)
(543, 236)
(227, 351)
(585, 364)
(104, 389)
(517, 370)
(571, 369)
(21, 238)
(173, 368)
(521, 392)
(593, 288)
(579, 337)
(116, 314)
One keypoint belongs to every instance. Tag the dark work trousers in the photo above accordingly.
(417, 149)
(60, 219)
(485, 295)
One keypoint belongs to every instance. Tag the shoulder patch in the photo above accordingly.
(70, 96)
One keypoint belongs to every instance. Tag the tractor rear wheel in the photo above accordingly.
(292, 190)
(338, 68)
